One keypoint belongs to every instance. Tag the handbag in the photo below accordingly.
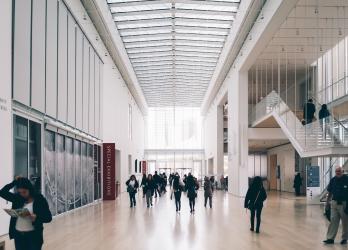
(252, 206)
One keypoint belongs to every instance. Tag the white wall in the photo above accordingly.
(213, 125)
(116, 99)
(5, 106)
(286, 161)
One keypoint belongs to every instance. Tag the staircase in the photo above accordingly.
(327, 137)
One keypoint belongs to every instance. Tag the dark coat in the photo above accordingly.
(40, 209)
(323, 113)
(308, 111)
(131, 189)
(149, 185)
(255, 197)
(191, 186)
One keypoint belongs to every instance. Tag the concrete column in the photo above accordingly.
(237, 132)
(5, 104)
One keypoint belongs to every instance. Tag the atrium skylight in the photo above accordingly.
(174, 45)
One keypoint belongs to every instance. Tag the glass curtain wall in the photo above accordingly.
(69, 172)
(174, 128)
(27, 150)
(174, 140)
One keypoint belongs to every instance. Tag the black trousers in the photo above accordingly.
(27, 241)
(297, 190)
(132, 198)
(255, 211)
(177, 196)
(206, 197)
(192, 203)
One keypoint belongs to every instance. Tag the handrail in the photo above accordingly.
(335, 119)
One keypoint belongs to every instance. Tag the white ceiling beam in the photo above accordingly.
(161, 2)
(180, 42)
(177, 58)
(146, 30)
(145, 37)
(189, 49)
(179, 48)
(218, 14)
(160, 21)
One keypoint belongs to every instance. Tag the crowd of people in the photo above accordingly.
(154, 186)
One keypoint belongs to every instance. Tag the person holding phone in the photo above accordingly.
(26, 229)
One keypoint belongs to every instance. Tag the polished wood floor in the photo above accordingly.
(288, 223)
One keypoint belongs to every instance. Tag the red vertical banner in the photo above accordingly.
(144, 170)
(109, 170)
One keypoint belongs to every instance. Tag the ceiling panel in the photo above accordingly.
(174, 45)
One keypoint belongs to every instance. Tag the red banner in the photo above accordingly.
(144, 170)
(109, 167)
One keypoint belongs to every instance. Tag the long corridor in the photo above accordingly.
(288, 223)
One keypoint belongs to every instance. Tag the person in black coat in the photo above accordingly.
(27, 230)
(297, 184)
(150, 187)
(158, 181)
(309, 111)
(191, 187)
(254, 199)
(177, 190)
(132, 187)
(142, 184)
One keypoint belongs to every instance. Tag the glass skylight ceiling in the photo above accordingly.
(174, 45)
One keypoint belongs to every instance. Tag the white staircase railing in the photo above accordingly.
(320, 134)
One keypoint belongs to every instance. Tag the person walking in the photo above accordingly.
(297, 184)
(324, 118)
(142, 184)
(177, 191)
(158, 181)
(309, 111)
(337, 203)
(208, 192)
(149, 188)
(132, 187)
(254, 199)
(191, 188)
(27, 229)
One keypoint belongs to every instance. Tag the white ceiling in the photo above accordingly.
(174, 45)
(312, 28)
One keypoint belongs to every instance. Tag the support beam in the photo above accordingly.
(162, 2)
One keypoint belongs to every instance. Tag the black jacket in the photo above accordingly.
(255, 197)
(40, 209)
(323, 113)
(150, 185)
(132, 189)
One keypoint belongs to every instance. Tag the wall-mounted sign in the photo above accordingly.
(109, 170)
(3, 105)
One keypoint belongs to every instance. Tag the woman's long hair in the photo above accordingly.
(257, 183)
(25, 183)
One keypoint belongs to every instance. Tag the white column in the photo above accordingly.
(220, 141)
(5, 105)
(237, 132)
